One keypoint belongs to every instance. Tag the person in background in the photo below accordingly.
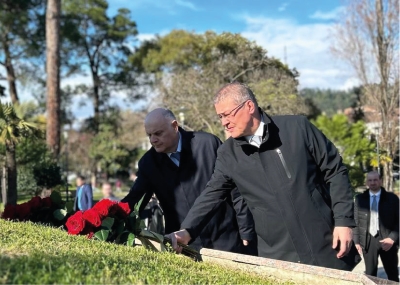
(118, 186)
(291, 177)
(376, 212)
(107, 191)
(84, 195)
(176, 169)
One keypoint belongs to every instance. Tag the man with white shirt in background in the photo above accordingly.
(376, 212)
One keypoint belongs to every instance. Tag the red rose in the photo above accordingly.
(35, 202)
(46, 202)
(103, 207)
(9, 212)
(76, 223)
(23, 211)
(123, 209)
(92, 217)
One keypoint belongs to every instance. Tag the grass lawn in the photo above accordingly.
(37, 254)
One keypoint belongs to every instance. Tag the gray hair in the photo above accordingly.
(238, 92)
(167, 114)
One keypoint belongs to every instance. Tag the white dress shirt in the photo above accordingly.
(179, 148)
(259, 134)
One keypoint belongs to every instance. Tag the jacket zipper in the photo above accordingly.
(283, 163)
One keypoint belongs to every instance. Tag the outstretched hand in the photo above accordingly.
(342, 236)
(182, 237)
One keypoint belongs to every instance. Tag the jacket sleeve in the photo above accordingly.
(394, 234)
(356, 230)
(139, 188)
(334, 174)
(217, 190)
(243, 216)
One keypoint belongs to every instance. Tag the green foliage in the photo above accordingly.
(42, 255)
(353, 142)
(47, 175)
(189, 68)
(330, 101)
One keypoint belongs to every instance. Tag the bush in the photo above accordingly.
(37, 254)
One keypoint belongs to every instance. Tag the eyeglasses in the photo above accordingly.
(230, 114)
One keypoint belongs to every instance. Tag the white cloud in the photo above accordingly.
(331, 15)
(307, 49)
(187, 4)
(283, 7)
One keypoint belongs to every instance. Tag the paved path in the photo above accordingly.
(360, 268)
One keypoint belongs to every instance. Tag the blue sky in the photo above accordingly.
(303, 27)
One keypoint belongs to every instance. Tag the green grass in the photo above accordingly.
(31, 253)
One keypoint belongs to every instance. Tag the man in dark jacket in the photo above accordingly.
(377, 233)
(292, 179)
(176, 169)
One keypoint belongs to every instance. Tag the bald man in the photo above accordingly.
(177, 169)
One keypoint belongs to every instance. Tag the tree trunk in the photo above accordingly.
(12, 86)
(11, 166)
(388, 176)
(53, 75)
(96, 102)
(4, 185)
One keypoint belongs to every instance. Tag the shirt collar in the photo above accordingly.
(179, 148)
(260, 130)
(377, 194)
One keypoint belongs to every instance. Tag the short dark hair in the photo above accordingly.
(81, 177)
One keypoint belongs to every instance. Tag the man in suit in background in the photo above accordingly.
(377, 232)
(177, 169)
(84, 195)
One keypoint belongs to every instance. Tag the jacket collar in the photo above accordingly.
(267, 123)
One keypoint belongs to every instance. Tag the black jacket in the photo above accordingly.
(388, 217)
(295, 186)
(178, 187)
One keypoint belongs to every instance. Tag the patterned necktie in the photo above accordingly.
(374, 220)
(177, 156)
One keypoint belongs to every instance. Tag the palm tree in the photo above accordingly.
(12, 130)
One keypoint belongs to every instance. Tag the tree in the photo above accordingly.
(53, 14)
(20, 38)
(352, 141)
(101, 46)
(189, 68)
(367, 38)
(12, 130)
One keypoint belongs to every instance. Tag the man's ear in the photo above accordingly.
(175, 125)
(251, 107)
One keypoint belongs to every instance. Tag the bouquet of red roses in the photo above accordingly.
(104, 221)
(50, 210)
(116, 222)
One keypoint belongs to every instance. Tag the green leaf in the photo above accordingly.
(119, 228)
(131, 240)
(69, 206)
(137, 206)
(56, 197)
(102, 235)
(139, 225)
(107, 223)
(60, 214)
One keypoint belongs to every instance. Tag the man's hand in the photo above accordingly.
(182, 237)
(387, 243)
(359, 249)
(342, 236)
(245, 242)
